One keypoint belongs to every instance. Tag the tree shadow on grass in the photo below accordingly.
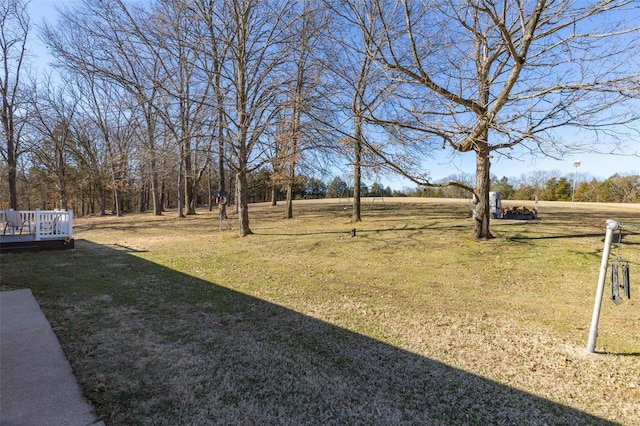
(361, 231)
(631, 354)
(553, 237)
(615, 239)
(151, 345)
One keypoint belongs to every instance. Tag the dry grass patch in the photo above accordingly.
(170, 321)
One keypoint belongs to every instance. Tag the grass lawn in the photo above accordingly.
(171, 321)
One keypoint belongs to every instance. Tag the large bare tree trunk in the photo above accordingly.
(292, 162)
(295, 130)
(482, 213)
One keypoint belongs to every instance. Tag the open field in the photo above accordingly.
(171, 321)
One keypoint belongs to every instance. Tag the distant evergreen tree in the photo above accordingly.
(503, 186)
(337, 188)
(316, 188)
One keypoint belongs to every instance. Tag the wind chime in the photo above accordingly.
(620, 285)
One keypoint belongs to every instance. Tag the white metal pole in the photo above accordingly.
(612, 225)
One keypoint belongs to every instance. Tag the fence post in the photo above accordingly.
(612, 225)
(70, 224)
(37, 225)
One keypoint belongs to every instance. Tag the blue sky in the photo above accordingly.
(600, 166)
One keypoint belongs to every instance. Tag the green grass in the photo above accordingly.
(169, 320)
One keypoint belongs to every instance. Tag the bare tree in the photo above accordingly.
(306, 31)
(14, 29)
(54, 112)
(101, 140)
(255, 36)
(354, 67)
(214, 49)
(280, 137)
(500, 77)
(177, 36)
(624, 189)
(359, 89)
(105, 38)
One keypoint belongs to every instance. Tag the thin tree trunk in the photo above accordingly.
(219, 123)
(157, 206)
(102, 203)
(189, 183)
(243, 203)
(210, 192)
(12, 157)
(181, 185)
(289, 214)
(153, 168)
(12, 176)
(274, 194)
(357, 171)
(62, 180)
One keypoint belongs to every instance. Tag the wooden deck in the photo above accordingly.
(36, 230)
(22, 243)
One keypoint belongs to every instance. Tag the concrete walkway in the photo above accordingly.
(37, 385)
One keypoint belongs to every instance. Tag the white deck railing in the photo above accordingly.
(43, 224)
